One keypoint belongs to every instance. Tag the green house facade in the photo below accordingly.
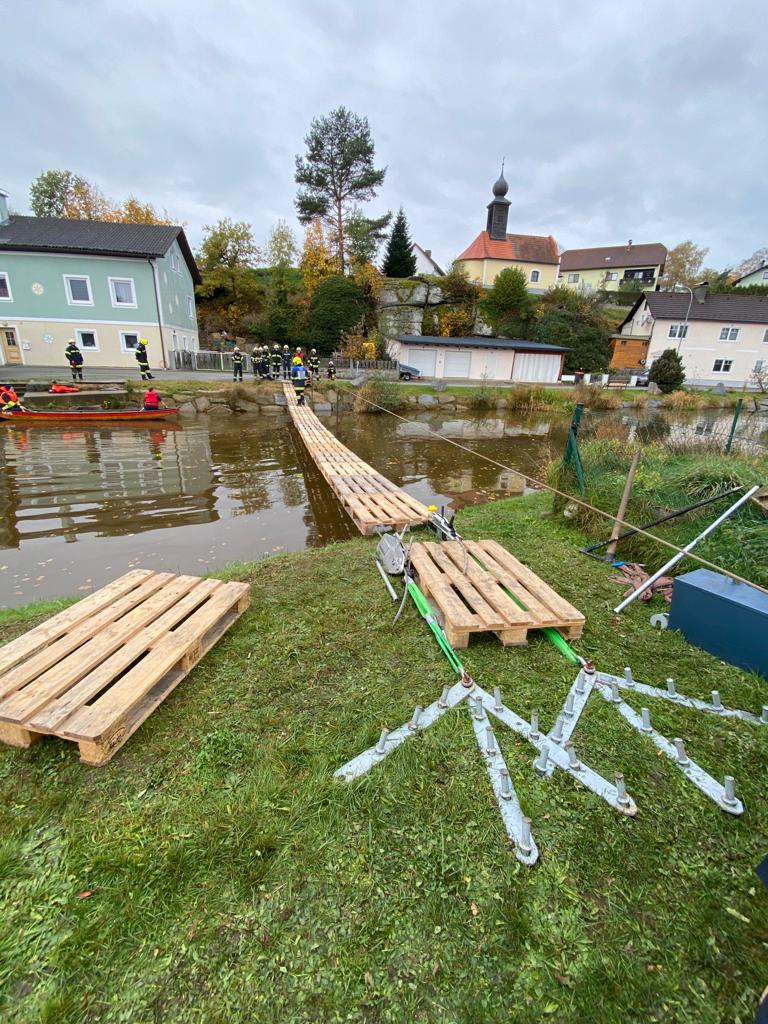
(759, 277)
(100, 284)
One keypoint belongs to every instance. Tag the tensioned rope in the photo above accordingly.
(569, 497)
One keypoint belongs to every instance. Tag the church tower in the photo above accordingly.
(498, 210)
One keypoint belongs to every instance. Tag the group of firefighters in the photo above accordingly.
(297, 368)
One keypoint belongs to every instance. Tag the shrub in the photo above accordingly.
(679, 400)
(594, 396)
(381, 391)
(337, 306)
(667, 371)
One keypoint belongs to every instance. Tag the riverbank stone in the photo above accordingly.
(202, 404)
(427, 400)
(187, 409)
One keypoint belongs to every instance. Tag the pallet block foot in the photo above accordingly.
(16, 736)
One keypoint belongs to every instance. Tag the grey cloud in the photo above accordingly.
(616, 122)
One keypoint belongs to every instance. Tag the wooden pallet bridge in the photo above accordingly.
(95, 672)
(471, 583)
(368, 497)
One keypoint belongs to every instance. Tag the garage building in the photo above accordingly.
(480, 358)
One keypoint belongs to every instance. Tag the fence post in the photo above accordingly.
(736, 414)
(572, 454)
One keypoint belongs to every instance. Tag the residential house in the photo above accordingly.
(102, 284)
(613, 268)
(495, 249)
(424, 262)
(480, 358)
(720, 337)
(759, 276)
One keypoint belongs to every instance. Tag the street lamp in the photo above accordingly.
(683, 330)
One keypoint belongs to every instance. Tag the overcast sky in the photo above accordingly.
(617, 120)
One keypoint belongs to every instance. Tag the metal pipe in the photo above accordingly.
(680, 555)
(619, 521)
(387, 581)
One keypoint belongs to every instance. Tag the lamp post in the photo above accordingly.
(683, 330)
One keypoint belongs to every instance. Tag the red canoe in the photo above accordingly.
(83, 415)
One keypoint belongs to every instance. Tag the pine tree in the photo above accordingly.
(667, 371)
(399, 260)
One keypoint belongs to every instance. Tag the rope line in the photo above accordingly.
(569, 497)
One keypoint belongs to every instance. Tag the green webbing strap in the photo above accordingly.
(425, 610)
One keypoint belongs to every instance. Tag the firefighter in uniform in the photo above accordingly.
(276, 361)
(143, 359)
(286, 363)
(299, 378)
(264, 363)
(314, 365)
(331, 370)
(237, 364)
(9, 400)
(75, 359)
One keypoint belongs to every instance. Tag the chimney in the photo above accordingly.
(629, 245)
(3, 206)
(700, 291)
(428, 253)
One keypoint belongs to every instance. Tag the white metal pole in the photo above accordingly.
(688, 547)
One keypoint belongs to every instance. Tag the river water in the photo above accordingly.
(79, 507)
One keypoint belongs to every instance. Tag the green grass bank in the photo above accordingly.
(671, 476)
(232, 879)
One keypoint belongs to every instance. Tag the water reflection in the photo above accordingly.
(77, 507)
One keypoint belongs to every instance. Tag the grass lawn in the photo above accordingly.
(232, 879)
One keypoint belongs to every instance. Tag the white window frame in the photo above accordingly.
(765, 275)
(124, 347)
(68, 293)
(191, 307)
(731, 333)
(79, 342)
(573, 278)
(175, 263)
(184, 343)
(9, 296)
(679, 331)
(112, 294)
(759, 364)
(765, 337)
(537, 278)
(722, 366)
(611, 275)
(175, 341)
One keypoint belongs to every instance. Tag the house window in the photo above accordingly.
(129, 341)
(722, 366)
(191, 307)
(765, 275)
(122, 291)
(175, 263)
(765, 337)
(573, 278)
(87, 341)
(534, 276)
(612, 275)
(729, 333)
(759, 365)
(678, 331)
(78, 290)
(185, 342)
(5, 287)
(174, 341)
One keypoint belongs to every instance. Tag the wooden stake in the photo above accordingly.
(610, 551)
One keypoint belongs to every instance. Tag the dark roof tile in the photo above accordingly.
(481, 341)
(608, 256)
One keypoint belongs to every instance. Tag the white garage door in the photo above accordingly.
(487, 366)
(422, 359)
(531, 367)
(457, 364)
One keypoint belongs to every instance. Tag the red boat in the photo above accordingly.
(88, 415)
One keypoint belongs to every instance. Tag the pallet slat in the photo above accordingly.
(468, 583)
(369, 498)
(100, 676)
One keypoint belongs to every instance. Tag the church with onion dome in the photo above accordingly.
(495, 249)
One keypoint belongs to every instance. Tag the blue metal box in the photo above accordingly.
(726, 618)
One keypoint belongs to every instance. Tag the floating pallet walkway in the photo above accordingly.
(368, 497)
(469, 580)
(95, 672)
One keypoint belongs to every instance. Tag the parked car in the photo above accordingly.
(408, 372)
(642, 379)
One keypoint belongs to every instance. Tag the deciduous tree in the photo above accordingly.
(399, 260)
(758, 259)
(227, 258)
(316, 260)
(57, 193)
(337, 307)
(684, 265)
(337, 172)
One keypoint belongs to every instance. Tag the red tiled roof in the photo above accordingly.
(606, 257)
(521, 248)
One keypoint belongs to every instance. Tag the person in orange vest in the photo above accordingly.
(151, 400)
(61, 389)
(9, 400)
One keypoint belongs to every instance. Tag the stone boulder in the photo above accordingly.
(428, 400)
(220, 410)
(188, 409)
(323, 407)
(202, 404)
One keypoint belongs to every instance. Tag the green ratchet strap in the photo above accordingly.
(425, 610)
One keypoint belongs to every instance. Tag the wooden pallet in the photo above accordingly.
(469, 582)
(96, 671)
(368, 497)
